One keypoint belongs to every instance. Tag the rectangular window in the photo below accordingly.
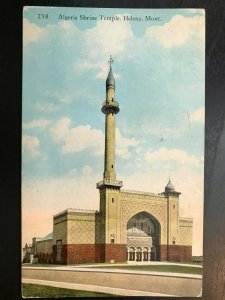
(112, 200)
(112, 241)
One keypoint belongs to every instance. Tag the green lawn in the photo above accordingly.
(35, 290)
(161, 268)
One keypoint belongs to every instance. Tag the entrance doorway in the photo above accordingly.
(143, 233)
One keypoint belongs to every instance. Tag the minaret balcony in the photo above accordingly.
(110, 107)
(109, 182)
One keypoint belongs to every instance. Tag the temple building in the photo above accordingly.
(129, 226)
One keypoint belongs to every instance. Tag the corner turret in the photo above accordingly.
(170, 190)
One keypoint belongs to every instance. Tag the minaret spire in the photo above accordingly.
(110, 108)
(110, 81)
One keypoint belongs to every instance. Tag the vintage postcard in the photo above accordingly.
(113, 151)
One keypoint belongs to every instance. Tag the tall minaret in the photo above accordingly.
(110, 108)
(108, 222)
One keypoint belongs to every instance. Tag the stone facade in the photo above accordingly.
(130, 225)
(185, 231)
(44, 246)
(44, 251)
(102, 236)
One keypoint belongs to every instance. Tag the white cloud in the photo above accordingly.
(101, 67)
(198, 116)
(110, 38)
(67, 25)
(178, 31)
(165, 155)
(73, 172)
(87, 170)
(42, 123)
(30, 146)
(123, 145)
(117, 38)
(84, 65)
(64, 98)
(78, 138)
(31, 32)
(48, 106)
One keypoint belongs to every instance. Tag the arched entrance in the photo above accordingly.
(143, 236)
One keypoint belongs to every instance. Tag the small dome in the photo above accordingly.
(170, 187)
(110, 79)
(135, 232)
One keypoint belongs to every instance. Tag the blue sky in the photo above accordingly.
(159, 71)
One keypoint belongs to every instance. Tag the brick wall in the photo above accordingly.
(116, 252)
(90, 253)
(80, 253)
(163, 253)
(176, 253)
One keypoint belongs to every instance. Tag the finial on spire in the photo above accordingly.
(110, 81)
(111, 61)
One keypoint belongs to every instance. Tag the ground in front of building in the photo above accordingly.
(159, 268)
(120, 279)
(42, 291)
(153, 266)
